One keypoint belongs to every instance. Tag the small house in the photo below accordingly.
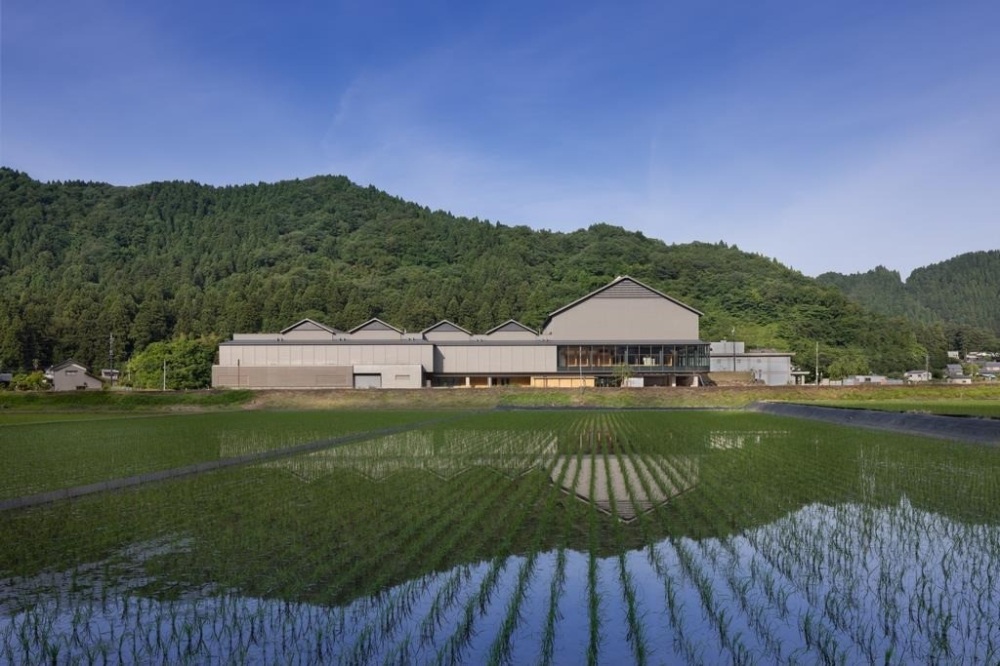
(917, 376)
(72, 376)
(862, 380)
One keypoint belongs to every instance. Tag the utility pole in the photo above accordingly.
(817, 363)
(164, 373)
(733, 336)
(111, 357)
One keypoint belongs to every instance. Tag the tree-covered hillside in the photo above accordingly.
(81, 261)
(882, 290)
(960, 296)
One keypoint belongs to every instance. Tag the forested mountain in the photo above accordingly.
(881, 290)
(82, 261)
(961, 294)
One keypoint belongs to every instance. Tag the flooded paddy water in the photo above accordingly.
(529, 537)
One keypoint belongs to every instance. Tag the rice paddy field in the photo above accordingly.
(535, 536)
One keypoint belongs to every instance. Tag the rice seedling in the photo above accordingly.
(452, 650)
(774, 541)
(48, 456)
(557, 586)
(500, 649)
(444, 599)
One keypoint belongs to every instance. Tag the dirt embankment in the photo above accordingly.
(958, 428)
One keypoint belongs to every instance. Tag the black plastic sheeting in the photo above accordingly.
(958, 428)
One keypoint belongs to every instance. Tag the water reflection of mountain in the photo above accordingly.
(724, 440)
(851, 583)
(331, 527)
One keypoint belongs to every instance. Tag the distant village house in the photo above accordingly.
(917, 376)
(72, 376)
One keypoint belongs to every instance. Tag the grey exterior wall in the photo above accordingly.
(769, 368)
(375, 329)
(338, 354)
(365, 381)
(257, 337)
(511, 335)
(624, 320)
(368, 334)
(394, 376)
(726, 347)
(447, 336)
(326, 376)
(494, 359)
(307, 335)
(511, 330)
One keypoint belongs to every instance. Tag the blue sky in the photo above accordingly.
(832, 136)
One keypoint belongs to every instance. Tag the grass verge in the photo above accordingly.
(983, 400)
(120, 400)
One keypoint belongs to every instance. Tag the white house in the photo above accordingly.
(917, 376)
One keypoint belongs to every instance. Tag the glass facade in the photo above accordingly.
(659, 359)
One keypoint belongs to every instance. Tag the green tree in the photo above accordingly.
(848, 362)
(151, 322)
(182, 363)
(30, 381)
(622, 373)
(80, 261)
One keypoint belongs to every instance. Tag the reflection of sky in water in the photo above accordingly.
(625, 486)
(726, 439)
(846, 583)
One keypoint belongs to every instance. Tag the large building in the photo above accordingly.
(624, 331)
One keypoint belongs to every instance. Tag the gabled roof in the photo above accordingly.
(511, 326)
(624, 287)
(309, 325)
(65, 364)
(374, 324)
(445, 326)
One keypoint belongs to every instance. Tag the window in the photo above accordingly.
(643, 358)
